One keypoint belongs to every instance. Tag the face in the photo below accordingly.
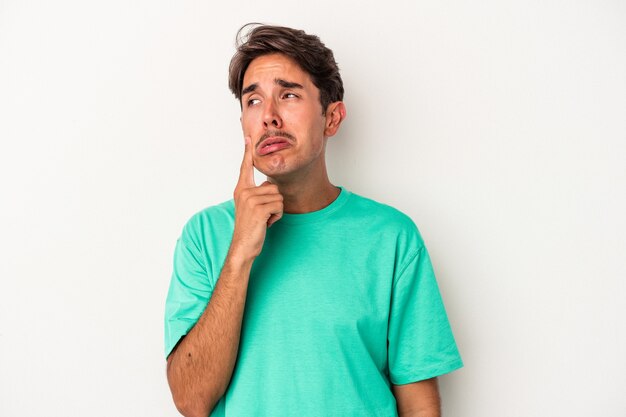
(281, 112)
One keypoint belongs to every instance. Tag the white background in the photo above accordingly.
(498, 126)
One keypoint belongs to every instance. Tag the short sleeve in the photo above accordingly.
(421, 343)
(189, 292)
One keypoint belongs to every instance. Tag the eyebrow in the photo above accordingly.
(279, 81)
(287, 84)
(249, 89)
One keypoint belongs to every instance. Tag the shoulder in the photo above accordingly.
(384, 219)
(373, 208)
(216, 219)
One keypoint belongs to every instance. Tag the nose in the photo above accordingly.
(271, 117)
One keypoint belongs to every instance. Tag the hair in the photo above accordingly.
(254, 40)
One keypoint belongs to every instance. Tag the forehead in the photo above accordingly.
(267, 68)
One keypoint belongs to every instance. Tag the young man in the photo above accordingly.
(297, 297)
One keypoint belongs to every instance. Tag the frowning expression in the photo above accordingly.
(281, 112)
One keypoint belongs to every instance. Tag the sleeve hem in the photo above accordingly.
(431, 372)
(176, 331)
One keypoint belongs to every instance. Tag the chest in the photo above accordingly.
(331, 279)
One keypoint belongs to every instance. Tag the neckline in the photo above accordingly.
(317, 215)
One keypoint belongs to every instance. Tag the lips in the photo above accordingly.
(273, 144)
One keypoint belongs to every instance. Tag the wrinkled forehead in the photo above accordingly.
(270, 67)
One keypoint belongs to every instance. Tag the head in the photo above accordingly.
(308, 51)
(290, 92)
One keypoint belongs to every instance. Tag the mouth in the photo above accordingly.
(272, 144)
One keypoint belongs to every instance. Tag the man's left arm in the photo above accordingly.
(418, 399)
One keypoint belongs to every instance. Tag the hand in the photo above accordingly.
(256, 209)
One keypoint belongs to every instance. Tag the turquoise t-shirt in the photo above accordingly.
(341, 303)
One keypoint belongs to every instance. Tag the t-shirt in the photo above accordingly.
(341, 303)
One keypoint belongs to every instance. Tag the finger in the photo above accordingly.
(246, 172)
(276, 213)
(269, 187)
(245, 194)
(261, 199)
(273, 219)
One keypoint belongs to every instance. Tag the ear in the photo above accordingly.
(335, 113)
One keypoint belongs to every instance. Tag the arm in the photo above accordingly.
(418, 399)
(199, 369)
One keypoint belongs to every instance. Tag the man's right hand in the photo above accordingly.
(256, 208)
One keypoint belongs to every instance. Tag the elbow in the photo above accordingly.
(194, 407)
(190, 410)
(193, 404)
(189, 401)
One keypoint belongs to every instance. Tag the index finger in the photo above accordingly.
(246, 172)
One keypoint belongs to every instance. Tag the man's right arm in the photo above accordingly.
(199, 369)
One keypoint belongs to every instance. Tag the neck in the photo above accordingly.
(306, 196)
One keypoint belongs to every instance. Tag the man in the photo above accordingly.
(297, 297)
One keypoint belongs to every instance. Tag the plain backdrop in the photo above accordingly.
(498, 126)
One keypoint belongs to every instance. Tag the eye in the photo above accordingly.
(253, 101)
(290, 95)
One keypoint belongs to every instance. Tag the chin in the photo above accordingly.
(276, 173)
(273, 166)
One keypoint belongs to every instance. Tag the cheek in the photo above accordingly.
(248, 122)
(306, 122)
(246, 117)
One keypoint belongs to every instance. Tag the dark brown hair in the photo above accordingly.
(307, 51)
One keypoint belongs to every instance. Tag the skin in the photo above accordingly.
(279, 98)
(300, 170)
(418, 399)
